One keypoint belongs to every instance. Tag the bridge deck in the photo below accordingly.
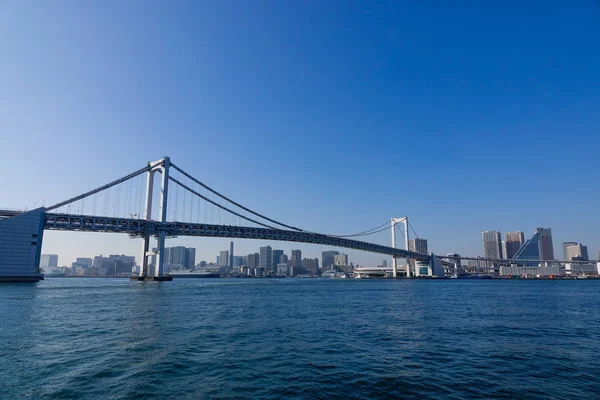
(140, 228)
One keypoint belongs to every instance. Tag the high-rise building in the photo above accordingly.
(539, 247)
(384, 263)
(564, 248)
(238, 261)
(266, 258)
(545, 243)
(253, 260)
(512, 243)
(176, 255)
(190, 257)
(49, 261)
(492, 245)
(340, 259)
(224, 258)
(231, 263)
(328, 258)
(418, 245)
(575, 251)
(296, 258)
(311, 265)
(276, 258)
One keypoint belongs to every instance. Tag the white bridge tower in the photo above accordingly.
(161, 166)
(395, 221)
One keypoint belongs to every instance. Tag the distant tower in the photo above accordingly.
(513, 242)
(492, 244)
(266, 257)
(546, 247)
(231, 254)
(296, 258)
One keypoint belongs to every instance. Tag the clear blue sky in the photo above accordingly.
(332, 115)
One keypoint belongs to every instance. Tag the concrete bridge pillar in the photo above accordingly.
(162, 167)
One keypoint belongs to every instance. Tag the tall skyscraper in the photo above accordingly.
(512, 243)
(231, 263)
(276, 258)
(253, 260)
(545, 243)
(418, 245)
(224, 258)
(176, 256)
(266, 258)
(296, 258)
(190, 257)
(572, 250)
(492, 244)
(328, 258)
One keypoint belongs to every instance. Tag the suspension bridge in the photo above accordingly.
(215, 215)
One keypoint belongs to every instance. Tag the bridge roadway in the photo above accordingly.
(140, 228)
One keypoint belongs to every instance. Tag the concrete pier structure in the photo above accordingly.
(21, 246)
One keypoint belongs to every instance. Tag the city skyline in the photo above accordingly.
(359, 107)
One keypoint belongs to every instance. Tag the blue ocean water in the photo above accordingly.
(299, 338)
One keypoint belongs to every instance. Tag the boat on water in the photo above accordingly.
(194, 274)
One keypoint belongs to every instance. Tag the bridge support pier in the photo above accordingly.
(162, 167)
(406, 242)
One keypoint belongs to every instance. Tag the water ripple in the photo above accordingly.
(299, 339)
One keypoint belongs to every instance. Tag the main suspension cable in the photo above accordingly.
(218, 205)
(233, 202)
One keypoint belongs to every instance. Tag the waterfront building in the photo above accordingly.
(21, 247)
(266, 258)
(49, 261)
(231, 264)
(384, 263)
(539, 247)
(573, 269)
(573, 250)
(512, 243)
(328, 259)
(546, 247)
(531, 271)
(492, 244)
(564, 249)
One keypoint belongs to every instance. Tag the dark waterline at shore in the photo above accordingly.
(303, 338)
